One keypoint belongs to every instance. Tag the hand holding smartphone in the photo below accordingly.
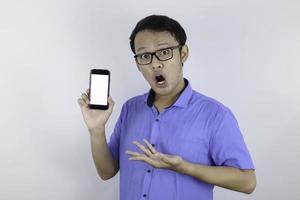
(99, 86)
(96, 104)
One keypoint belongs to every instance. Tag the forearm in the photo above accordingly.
(226, 177)
(104, 162)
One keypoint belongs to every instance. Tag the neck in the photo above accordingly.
(167, 100)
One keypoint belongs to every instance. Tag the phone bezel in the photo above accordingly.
(104, 72)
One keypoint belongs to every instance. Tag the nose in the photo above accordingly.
(156, 63)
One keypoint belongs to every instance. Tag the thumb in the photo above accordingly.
(111, 102)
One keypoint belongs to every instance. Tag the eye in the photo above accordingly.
(165, 52)
(145, 56)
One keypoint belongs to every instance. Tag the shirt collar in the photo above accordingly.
(181, 101)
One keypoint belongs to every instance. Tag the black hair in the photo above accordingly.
(159, 23)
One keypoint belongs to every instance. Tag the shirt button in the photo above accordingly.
(153, 145)
(148, 170)
(157, 120)
(144, 195)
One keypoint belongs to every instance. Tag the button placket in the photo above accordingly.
(149, 171)
(146, 185)
(147, 181)
(155, 129)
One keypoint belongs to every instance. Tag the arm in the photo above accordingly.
(95, 120)
(223, 176)
(106, 166)
(226, 177)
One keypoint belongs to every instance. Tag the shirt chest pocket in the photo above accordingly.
(190, 149)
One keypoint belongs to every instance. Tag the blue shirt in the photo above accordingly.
(196, 127)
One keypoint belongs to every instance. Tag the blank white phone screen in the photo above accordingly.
(99, 89)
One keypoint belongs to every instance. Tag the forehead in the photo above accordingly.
(150, 40)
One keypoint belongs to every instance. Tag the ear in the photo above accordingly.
(184, 53)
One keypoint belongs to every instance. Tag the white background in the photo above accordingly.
(242, 53)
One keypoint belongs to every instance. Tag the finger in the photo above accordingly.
(142, 158)
(133, 153)
(81, 102)
(163, 155)
(144, 149)
(159, 156)
(166, 159)
(85, 98)
(152, 149)
(87, 93)
(150, 161)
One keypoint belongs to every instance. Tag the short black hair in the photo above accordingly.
(159, 23)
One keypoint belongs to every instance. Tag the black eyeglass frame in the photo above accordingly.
(154, 53)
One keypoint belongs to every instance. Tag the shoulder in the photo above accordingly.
(208, 105)
(134, 102)
(207, 101)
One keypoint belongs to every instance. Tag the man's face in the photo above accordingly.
(170, 70)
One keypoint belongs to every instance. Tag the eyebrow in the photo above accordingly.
(160, 44)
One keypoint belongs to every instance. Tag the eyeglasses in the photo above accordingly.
(161, 54)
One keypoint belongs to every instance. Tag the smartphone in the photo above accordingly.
(99, 89)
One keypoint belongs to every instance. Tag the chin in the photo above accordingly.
(162, 91)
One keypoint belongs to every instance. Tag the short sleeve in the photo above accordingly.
(114, 141)
(227, 145)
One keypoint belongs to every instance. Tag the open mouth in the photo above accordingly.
(160, 80)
